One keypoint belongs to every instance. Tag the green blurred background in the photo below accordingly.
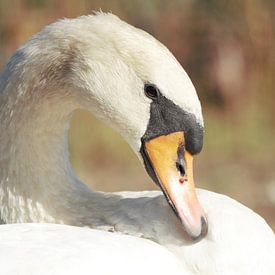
(228, 50)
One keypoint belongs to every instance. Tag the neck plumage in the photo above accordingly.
(37, 183)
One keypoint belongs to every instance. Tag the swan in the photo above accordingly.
(129, 80)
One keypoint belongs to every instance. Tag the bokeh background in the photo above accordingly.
(228, 50)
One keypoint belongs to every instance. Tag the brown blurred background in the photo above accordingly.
(228, 50)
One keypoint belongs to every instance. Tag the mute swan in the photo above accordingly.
(133, 83)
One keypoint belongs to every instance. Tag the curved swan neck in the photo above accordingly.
(34, 161)
(37, 183)
(37, 97)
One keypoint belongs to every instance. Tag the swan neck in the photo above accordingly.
(37, 181)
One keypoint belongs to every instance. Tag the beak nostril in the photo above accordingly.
(180, 168)
(180, 160)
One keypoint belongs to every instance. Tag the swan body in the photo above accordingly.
(28, 249)
(229, 248)
(102, 64)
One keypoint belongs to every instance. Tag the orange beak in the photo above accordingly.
(173, 168)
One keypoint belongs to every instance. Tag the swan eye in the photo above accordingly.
(151, 91)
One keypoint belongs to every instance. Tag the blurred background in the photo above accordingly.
(228, 50)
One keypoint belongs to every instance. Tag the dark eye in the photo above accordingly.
(151, 91)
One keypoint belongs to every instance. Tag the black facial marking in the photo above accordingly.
(166, 117)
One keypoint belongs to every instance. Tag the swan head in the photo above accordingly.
(131, 81)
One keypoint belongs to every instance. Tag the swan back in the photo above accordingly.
(60, 249)
(239, 241)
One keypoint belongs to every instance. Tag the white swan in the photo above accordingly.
(133, 83)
